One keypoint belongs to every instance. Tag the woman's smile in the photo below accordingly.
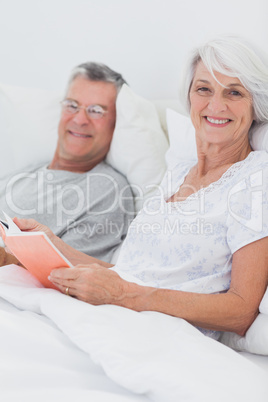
(216, 122)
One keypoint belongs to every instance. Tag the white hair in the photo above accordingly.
(234, 57)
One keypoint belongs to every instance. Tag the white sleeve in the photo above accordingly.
(247, 207)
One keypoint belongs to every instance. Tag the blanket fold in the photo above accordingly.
(149, 353)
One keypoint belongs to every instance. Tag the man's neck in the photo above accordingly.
(72, 166)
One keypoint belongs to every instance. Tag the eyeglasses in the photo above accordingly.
(93, 111)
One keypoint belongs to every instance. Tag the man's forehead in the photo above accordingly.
(84, 90)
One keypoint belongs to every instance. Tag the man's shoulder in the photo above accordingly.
(27, 169)
(106, 169)
(111, 185)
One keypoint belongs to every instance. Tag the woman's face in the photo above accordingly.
(220, 114)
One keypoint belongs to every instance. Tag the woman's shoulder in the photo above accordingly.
(259, 156)
(255, 169)
(174, 176)
(182, 167)
(257, 159)
(255, 164)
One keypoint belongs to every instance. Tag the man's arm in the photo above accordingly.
(6, 258)
(75, 256)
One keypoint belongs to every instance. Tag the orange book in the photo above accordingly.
(34, 250)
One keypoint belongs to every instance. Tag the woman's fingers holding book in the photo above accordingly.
(92, 283)
(64, 278)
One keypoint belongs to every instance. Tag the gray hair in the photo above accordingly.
(97, 72)
(234, 57)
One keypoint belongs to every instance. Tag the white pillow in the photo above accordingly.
(181, 134)
(259, 138)
(256, 338)
(28, 119)
(263, 308)
(162, 105)
(139, 144)
(29, 122)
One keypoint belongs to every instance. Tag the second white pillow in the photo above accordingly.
(139, 144)
(181, 135)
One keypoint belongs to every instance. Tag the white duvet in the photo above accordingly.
(54, 347)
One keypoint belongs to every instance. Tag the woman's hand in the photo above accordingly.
(92, 283)
(30, 225)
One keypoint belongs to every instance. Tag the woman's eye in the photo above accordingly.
(235, 93)
(203, 90)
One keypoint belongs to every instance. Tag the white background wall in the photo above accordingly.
(146, 40)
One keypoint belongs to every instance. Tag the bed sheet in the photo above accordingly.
(39, 362)
(259, 360)
(52, 344)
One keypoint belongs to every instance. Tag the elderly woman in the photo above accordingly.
(199, 250)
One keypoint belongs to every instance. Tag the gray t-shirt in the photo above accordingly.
(90, 211)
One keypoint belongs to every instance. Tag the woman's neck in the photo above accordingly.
(212, 157)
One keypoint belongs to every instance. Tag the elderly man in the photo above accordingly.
(78, 195)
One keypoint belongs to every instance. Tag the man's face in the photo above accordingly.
(82, 139)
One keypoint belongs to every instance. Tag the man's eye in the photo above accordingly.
(96, 110)
(73, 107)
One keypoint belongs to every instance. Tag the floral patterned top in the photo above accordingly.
(188, 245)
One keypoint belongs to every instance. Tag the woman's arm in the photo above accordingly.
(74, 256)
(232, 311)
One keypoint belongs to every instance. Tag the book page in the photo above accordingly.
(36, 252)
(12, 227)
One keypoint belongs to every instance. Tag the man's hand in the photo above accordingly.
(30, 225)
(2, 233)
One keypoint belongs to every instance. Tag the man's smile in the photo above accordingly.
(79, 135)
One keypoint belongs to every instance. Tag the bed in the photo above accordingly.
(54, 347)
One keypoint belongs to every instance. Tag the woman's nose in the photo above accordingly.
(217, 103)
